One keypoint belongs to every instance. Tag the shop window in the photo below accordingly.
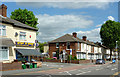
(2, 30)
(68, 45)
(4, 53)
(22, 35)
(57, 45)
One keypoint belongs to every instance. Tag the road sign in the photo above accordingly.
(63, 52)
(70, 51)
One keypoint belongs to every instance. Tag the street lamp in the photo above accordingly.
(116, 47)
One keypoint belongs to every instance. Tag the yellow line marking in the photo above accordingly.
(116, 73)
(59, 68)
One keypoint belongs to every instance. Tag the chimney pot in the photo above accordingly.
(3, 10)
(74, 34)
(84, 38)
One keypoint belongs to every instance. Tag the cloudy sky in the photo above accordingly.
(58, 18)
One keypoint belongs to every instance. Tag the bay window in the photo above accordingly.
(4, 53)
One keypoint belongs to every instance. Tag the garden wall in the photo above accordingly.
(10, 66)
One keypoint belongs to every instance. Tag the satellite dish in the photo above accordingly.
(16, 34)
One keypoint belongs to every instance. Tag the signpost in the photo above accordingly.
(70, 54)
(64, 55)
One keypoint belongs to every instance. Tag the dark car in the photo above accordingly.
(100, 61)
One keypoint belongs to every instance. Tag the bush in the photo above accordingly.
(71, 57)
(75, 58)
(49, 58)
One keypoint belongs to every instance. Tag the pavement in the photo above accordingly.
(49, 68)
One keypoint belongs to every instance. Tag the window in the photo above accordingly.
(78, 46)
(54, 54)
(68, 45)
(4, 53)
(22, 35)
(92, 48)
(83, 46)
(57, 45)
(2, 30)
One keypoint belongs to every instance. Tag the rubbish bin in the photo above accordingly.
(30, 66)
(23, 66)
(34, 65)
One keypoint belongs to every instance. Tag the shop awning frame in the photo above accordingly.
(29, 52)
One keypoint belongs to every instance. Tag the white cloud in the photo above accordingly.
(69, 5)
(99, 25)
(111, 18)
(59, 0)
(51, 27)
(92, 35)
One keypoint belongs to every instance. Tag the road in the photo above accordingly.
(68, 69)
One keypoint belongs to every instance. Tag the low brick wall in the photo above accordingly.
(51, 60)
(11, 66)
(72, 61)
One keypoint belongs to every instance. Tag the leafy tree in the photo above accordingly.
(110, 33)
(41, 46)
(24, 16)
(118, 49)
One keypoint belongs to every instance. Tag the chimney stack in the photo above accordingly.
(3, 10)
(84, 38)
(74, 34)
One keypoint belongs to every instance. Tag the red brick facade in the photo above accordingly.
(63, 46)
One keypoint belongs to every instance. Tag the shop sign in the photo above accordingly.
(24, 44)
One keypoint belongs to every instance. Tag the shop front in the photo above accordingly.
(25, 50)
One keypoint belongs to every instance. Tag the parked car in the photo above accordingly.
(100, 61)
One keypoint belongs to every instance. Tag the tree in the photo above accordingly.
(110, 33)
(24, 16)
(41, 46)
(118, 49)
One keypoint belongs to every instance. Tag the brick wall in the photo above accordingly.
(10, 66)
(62, 46)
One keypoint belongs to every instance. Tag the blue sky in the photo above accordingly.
(57, 19)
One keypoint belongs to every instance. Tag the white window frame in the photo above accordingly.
(78, 46)
(22, 35)
(57, 45)
(2, 51)
(2, 28)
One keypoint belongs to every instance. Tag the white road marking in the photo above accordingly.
(114, 69)
(68, 73)
(83, 73)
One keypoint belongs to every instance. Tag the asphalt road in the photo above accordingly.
(68, 69)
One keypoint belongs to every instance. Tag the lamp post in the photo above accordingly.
(116, 46)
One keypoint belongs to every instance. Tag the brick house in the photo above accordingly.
(81, 48)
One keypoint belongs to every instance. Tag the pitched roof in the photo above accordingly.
(70, 38)
(66, 38)
(16, 23)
